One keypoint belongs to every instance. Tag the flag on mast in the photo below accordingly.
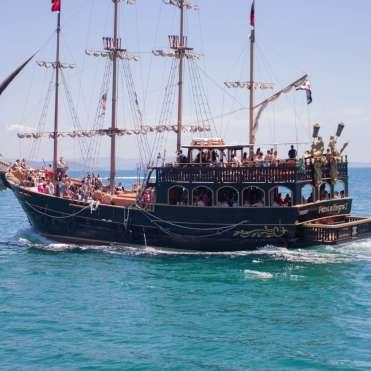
(56, 5)
(252, 22)
(252, 15)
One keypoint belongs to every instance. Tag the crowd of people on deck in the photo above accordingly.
(90, 188)
(45, 181)
(219, 158)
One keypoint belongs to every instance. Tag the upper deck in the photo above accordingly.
(282, 172)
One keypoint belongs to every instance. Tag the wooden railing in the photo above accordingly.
(350, 227)
(285, 173)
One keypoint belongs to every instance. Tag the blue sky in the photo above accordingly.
(328, 39)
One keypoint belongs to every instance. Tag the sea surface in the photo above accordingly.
(89, 307)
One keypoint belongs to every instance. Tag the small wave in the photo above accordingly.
(258, 274)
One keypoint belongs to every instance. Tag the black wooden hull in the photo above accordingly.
(185, 228)
(69, 221)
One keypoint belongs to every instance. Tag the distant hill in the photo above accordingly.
(100, 164)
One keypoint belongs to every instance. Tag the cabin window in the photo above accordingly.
(253, 197)
(307, 194)
(178, 196)
(325, 191)
(202, 196)
(280, 197)
(227, 197)
(339, 189)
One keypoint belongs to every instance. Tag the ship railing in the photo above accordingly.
(342, 228)
(281, 173)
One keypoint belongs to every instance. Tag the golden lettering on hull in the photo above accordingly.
(275, 232)
(333, 209)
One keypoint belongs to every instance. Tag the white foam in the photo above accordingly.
(345, 253)
(258, 274)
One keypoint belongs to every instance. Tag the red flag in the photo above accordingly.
(56, 5)
(252, 14)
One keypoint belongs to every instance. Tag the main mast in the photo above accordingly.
(56, 102)
(252, 83)
(114, 56)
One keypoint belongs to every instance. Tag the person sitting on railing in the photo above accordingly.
(41, 188)
(182, 158)
(214, 157)
(245, 158)
(310, 198)
(292, 153)
(288, 200)
(198, 158)
(259, 159)
(222, 163)
(278, 201)
(235, 161)
(276, 159)
(268, 158)
(49, 188)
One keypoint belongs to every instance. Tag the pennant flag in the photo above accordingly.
(252, 15)
(308, 89)
(56, 5)
(10, 78)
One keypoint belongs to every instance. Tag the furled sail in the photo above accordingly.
(11, 77)
(263, 105)
(143, 130)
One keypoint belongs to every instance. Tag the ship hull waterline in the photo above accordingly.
(76, 222)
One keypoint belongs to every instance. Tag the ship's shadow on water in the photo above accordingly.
(345, 253)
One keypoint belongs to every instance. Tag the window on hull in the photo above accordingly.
(325, 191)
(253, 197)
(178, 196)
(307, 194)
(227, 197)
(339, 189)
(202, 196)
(280, 197)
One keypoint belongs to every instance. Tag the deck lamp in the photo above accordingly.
(316, 128)
(340, 129)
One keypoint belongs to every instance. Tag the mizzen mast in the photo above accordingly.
(251, 84)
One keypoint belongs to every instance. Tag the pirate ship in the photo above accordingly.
(214, 196)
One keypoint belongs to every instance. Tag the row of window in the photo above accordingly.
(228, 196)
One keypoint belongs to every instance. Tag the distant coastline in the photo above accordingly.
(131, 164)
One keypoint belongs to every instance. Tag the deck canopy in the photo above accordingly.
(209, 150)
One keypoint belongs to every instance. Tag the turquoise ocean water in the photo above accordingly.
(68, 307)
